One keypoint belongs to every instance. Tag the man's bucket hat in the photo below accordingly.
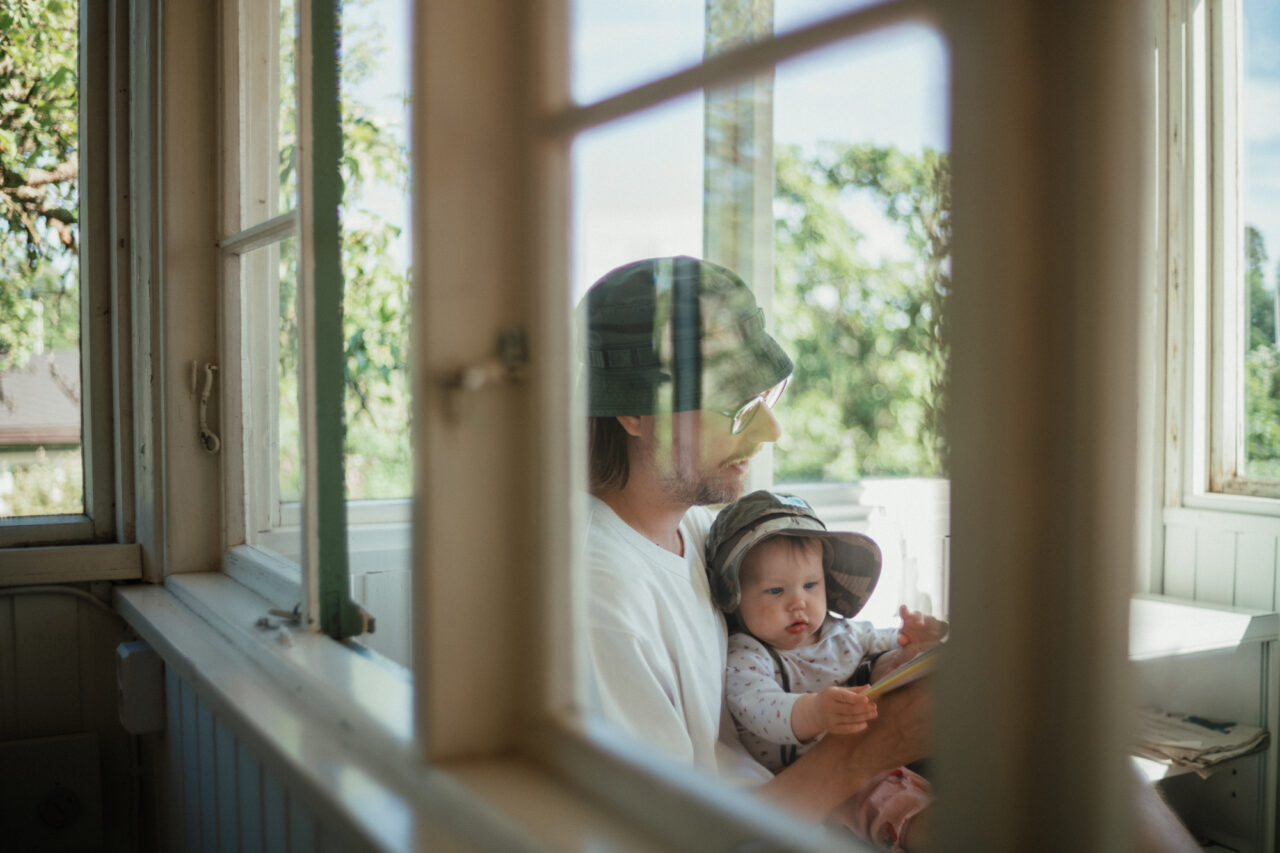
(674, 335)
(851, 564)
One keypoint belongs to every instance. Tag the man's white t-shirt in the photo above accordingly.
(658, 644)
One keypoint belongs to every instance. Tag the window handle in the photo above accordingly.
(207, 437)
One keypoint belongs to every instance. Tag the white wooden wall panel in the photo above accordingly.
(8, 668)
(1180, 562)
(1256, 570)
(302, 830)
(208, 779)
(1222, 558)
(48, 666)
(223, 797)
(249, 783)
(1216, 549)
(275, 817)
(174, 790)
(190, 768)
(57, 677)
(227, 783)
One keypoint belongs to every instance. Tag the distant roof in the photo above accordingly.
(40, 403)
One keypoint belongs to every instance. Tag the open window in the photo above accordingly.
(1223, 274)
(315, 266)
(57, 453)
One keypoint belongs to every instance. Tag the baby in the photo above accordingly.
(782, 578)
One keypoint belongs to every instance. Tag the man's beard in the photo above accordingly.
(675, 458)
(701, 489)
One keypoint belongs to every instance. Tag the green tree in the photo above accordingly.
(1262, 305)
(866, 329)
(39, 168)
(1262, 364)
(376, 302)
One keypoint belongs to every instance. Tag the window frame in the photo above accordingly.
(321, 583)
(492, 104)
(108, 512)
(543, 502)
(1204, 436)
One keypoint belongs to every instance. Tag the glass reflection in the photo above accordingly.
(794, 224)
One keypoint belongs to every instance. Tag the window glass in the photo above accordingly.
(41, 462)
(268, 109)
(825, 186)
(1260, 209)
(374, 84)
(634, 198)
(287, 109)
(269, 278)
(618, 44)
(862, 274)
(286, 144)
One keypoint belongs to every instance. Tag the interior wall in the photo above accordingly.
(221, 796)
(58, 678)
(1221, 558)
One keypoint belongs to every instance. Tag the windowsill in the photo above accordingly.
(340, 724)
(1235, 504)
(1160, 626)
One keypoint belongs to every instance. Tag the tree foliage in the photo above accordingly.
(39, 168)
(1262, 363)
(376, 279)
(864, 320)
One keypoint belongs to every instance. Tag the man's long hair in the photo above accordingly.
(610, 467)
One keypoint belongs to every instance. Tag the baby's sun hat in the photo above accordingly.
(851, 564)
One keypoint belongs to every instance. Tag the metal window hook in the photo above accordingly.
(207, 436)
(507, 365)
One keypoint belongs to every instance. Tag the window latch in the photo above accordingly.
(507, 365)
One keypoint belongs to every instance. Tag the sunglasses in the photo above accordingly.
(742, 416)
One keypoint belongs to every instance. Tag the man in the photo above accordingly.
(681, 381)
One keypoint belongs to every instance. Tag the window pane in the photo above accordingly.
(1260, 208)
(269, 278)
(41, 464)
(619, 44)
(824, 186)
(374, 85)
(268, 109)
(287, 111)
(862, 274)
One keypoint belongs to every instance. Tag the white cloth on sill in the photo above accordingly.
(658, 644)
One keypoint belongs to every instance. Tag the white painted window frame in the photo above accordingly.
(491, 209)
(251, 503)
(1204, 435)
(266, 536)
(107, 498)
(498, 471)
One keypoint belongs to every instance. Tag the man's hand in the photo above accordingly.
(841, 765)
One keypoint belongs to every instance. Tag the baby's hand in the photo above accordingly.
(919, 628)
(844, 710)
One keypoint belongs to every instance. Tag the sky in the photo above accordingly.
(638, 181)
(1261, 144)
